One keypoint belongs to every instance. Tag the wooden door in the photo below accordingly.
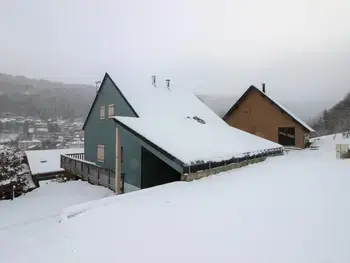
(286, 136)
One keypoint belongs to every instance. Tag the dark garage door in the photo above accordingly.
(286, 136)
(155, 171)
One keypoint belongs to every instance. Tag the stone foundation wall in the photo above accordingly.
(200, 174)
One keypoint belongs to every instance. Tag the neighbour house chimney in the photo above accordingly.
(154, 80)
(263, 88)
(167, 83)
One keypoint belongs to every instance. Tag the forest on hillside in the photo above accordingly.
(30, 97)
(45, 99)
(333, 120)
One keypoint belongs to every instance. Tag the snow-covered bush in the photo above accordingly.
(13, 173)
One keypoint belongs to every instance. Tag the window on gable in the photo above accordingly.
(110, 110)
(100, 153)
(102, 112)
(246, 110)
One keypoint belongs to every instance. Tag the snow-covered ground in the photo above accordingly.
(28, 215)
(293, 208)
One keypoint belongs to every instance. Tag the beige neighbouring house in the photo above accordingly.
(257, 113)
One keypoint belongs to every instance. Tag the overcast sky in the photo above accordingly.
(300, 48)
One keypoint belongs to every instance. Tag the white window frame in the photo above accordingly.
(100, 151)
(102, 112)
(111, 109)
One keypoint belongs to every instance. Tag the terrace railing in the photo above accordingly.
(88, 171)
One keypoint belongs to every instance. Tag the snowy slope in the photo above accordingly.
(329, 141)
(47, 201)
(289, 209)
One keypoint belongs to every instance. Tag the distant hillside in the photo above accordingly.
(32, 97)
(219, 104)
(29, 97)
(335, 119)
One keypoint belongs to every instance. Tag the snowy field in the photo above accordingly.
(293, 208)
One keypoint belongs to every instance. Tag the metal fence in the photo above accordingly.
(87, 171)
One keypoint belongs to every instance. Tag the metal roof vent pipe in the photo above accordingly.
(263, 88)
(167, 81)
(154, 81)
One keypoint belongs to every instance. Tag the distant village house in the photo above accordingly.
(29, 145)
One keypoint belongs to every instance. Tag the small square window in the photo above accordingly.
(110, 111)
(100, 153)
(246, 110)
(102, 112)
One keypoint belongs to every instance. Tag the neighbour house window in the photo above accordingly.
(102, 112)
(100, 153)
(110, 110)
(251, 129)
(246, 110)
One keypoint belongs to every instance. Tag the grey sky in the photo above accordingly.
(301, 48)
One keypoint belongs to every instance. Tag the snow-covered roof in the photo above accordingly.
(34, 141)
(47, 161)
(190, 140)
(76, 142)
(170, 119)
(148, 100)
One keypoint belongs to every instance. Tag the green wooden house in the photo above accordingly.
(147, 135)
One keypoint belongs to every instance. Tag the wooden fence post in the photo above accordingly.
(109, 178)
(122, 177)
(13, 192)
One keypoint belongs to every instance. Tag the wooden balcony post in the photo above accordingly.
(109, 178)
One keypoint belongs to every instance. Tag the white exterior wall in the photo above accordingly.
(24, 145)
